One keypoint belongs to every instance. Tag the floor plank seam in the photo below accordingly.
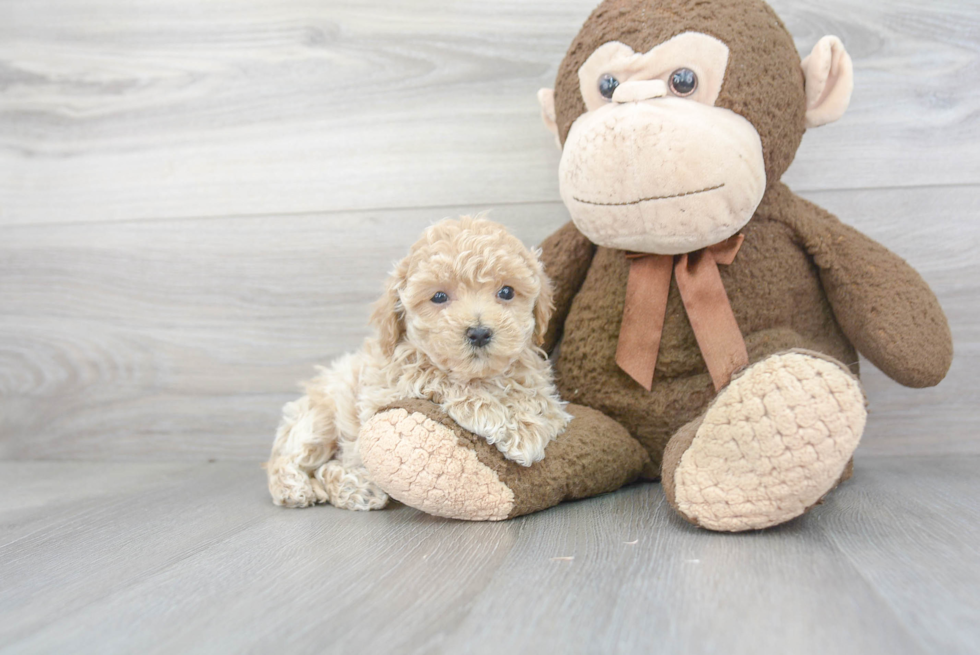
(478, 206)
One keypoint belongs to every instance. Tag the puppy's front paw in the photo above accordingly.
(525, 444)
(523, 448)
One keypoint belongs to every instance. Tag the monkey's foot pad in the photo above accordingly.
(770, 446)
(419, 462)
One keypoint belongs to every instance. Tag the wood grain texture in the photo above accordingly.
(198, 202)
(911, 547)
(194, 558)
(182, 338)
(126, 110)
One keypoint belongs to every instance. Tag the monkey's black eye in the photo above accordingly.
(440, 297)
(683, 82)
(607, 86)
(506, 293)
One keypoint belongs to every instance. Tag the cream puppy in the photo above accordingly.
(459, 324)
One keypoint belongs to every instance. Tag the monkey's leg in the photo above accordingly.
(422, 458)
(774, 442)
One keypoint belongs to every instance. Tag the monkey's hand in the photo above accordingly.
(881, 303)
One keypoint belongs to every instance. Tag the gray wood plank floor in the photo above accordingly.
(162, 558)
(199, 201)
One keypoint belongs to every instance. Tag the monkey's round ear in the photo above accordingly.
(546, 98)
(829, 76)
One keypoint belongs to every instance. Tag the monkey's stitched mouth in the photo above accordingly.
(636, 202)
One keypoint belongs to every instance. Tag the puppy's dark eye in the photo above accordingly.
(506, 293)
(683, 81)
(440, 297)
(607, 86)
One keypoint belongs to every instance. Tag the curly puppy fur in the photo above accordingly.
(501, 390)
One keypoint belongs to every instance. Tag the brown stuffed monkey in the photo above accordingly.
(703, 310)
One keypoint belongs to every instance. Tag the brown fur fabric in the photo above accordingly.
(883, 305)
(786, 290)
(570, 255)
(801, 280)
(763, 82)
(593, 456)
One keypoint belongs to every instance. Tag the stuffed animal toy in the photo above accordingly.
(699, 304)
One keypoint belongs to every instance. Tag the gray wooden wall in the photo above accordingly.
(199, 200)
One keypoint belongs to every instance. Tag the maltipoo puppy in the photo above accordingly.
(460, 324)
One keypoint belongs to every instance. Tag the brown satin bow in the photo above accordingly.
(705, 301)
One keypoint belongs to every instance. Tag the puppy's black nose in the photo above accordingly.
(479, 336)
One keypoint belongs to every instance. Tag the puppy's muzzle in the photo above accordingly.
(479, 336)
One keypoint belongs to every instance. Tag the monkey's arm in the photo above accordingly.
(883, 305)
(567, 255)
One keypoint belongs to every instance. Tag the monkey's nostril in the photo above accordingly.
(479, 336)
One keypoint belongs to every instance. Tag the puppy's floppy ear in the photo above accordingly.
(388, 314)
(545, 303)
